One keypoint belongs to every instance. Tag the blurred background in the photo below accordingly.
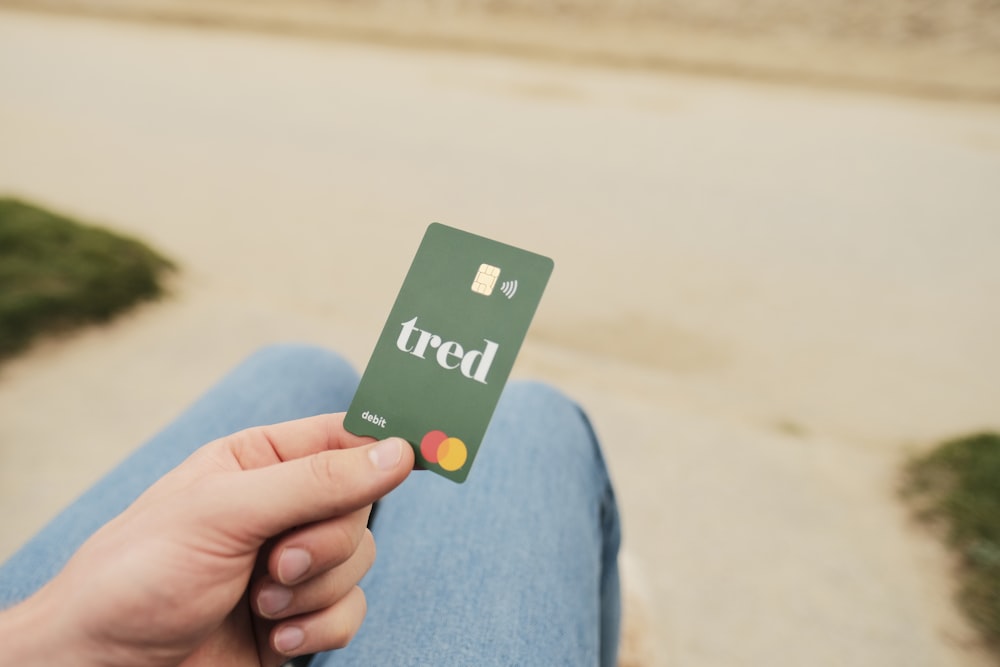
(776, 228)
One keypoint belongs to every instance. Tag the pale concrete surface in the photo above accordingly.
(763, 295)
(949, 49)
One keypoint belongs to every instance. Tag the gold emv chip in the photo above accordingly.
(486, 278)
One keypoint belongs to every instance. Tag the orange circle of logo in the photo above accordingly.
(452, 454)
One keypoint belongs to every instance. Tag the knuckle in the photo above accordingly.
(370, 548)
(362, 602)
(341, 638)
(345, 632)
(324, 469)
(341, 542)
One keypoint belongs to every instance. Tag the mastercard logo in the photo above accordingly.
(449, 453)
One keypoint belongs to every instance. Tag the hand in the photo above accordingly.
(247, 553)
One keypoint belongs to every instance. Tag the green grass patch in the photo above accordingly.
(958, 484)
(57, 274)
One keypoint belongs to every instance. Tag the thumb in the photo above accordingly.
(267, 501)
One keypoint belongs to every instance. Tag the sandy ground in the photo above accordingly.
(949, 50)
(765, 296)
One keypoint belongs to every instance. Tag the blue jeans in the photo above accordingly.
(518, 566)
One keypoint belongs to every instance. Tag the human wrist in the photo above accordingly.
(31, 634)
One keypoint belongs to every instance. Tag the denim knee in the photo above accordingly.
(548, 421)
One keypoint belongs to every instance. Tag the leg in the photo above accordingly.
(518, 566)
(276, 384)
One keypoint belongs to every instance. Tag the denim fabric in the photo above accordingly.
(518, 566)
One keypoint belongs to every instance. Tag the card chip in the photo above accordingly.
(486, 278)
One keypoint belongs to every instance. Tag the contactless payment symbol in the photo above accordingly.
(449, 453)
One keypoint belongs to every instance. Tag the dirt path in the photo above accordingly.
(763, 295)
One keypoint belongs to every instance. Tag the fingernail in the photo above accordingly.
(386, 454)
(273, 599)
(293, 564)
(288, 638)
